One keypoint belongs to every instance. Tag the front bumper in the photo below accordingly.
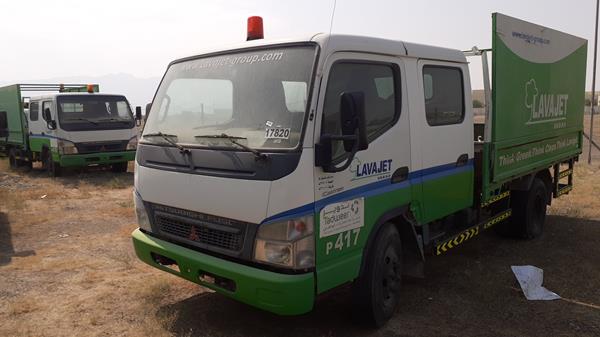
(98, 158)
(278, 293)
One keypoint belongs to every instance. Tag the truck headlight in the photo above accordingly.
(132, 144)
(140, 212)
(66, 147)
(288, 243)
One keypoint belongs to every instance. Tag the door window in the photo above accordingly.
(34, 111)
(378, 82)
(444, 95)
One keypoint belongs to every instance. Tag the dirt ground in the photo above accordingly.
(67, 268)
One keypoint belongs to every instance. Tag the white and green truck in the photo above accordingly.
(275, 171)
(73, 127)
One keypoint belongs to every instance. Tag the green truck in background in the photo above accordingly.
(305, 165)
(73, 127)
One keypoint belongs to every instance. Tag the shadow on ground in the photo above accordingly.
(6, 245)
(468, 292)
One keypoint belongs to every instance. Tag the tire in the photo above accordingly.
(53, 168)
(528, 212)
(12, 159)
(376, 292)
(119, 167)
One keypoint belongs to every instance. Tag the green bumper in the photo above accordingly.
(281, 294)
(98, 158)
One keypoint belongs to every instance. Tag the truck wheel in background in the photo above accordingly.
(53, 168)
(12, 158)
(528, 212)
(119, 167)
(376, 291)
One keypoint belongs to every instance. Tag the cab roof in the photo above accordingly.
(349, 43)
(58, 94)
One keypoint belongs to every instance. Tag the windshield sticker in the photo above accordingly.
(277, 133)
(341, 217)
(216, 62)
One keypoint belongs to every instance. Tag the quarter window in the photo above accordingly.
(444, 95)
(378, 83)
(34, 111)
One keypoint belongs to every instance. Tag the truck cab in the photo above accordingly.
(85, 129)
(301, 206)
(74, 127)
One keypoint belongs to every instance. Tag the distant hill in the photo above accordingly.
(139, 91)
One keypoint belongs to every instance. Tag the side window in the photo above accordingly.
(47, 105)
(444, 95)
(378, 82)
(34, 111)
(3, 124)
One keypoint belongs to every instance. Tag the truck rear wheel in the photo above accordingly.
(376, 293)
(528, 212)
(12, 159)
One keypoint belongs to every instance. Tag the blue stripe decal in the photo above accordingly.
(372, 189)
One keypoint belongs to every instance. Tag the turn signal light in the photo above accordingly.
(255, 28)
(90, 88)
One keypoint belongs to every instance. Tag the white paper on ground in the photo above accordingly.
(530, 279)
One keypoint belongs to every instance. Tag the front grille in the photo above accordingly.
(91, 147)
(204, 230)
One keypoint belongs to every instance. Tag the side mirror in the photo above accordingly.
(354, 133)
(138, 115)
(46, 115)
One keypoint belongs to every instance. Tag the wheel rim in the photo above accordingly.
(391, 277)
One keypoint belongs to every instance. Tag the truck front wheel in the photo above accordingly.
(376, 291)
(53, 168)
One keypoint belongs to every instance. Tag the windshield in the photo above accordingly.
(101, 112)
(257, 98)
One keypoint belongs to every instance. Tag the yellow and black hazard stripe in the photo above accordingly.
(498, 218)
(471, 232)
(564, 190)
(565, 173)
(457, 240)
(495, 198)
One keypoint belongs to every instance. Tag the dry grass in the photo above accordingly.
(584, 200)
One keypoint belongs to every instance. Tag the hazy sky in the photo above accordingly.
(49, 39)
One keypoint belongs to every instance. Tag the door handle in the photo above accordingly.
(400, 175)
(462, 160)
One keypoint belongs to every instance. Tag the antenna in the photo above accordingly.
(332, 16)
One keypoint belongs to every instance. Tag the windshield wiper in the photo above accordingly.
(83, 119)
(112, 119)
(233, 140)
(167, 137)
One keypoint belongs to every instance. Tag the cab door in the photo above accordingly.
(446, 138)
(349, 202)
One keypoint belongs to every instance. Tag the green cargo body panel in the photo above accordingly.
(10, 102)
(278, 293)
(538, 81)
(99, 158)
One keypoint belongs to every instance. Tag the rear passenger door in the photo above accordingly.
(446, 138)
